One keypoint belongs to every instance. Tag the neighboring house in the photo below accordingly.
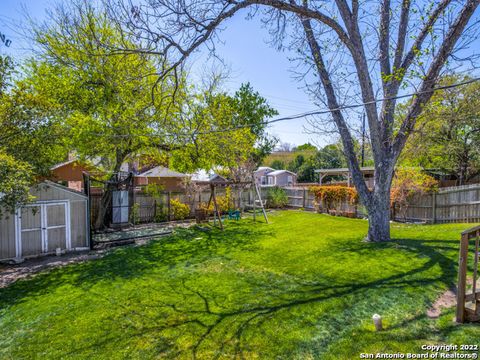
(260, 175)
(70, 173)
(57, 219)
(169, 180)
(281, 178)
(342, 176)
(266, 176)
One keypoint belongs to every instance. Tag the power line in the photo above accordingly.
(300, 115)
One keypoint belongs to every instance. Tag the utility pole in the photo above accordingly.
(363, 140)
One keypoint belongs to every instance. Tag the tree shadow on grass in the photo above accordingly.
(438, 252)
(215, 326)
(186, 245)
(222, 329)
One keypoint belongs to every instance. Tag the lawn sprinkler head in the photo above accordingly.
(377, 321)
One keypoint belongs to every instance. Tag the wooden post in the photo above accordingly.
(254, 207)
(434, 208)
(304, 198)
(475, 270)
(462, 278)
(261, 203)
(154, 209)
(216, 207)
(169, 216)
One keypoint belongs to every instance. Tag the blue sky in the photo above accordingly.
(244, 49)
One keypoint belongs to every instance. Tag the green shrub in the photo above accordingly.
(135, 214)
(276, 197)
(179, 210)
(160, 214)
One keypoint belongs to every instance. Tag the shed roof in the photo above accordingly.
(160, 171)
(60, 187)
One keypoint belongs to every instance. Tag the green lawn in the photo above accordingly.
(303, 287)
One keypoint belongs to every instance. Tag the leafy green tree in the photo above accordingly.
(30, 140)
(233, 132)
(277, 165)
(448, 135)
(15, 181)
(105, 100)
(306, 146)
(296, 163)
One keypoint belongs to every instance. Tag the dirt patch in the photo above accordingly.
(11, 273)
(447, 300)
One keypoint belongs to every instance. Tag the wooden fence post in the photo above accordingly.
(154, 209)
(462, 278)
(304, 198)
(434, 208)
(169, 194)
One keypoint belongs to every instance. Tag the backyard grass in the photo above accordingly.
(303, 287)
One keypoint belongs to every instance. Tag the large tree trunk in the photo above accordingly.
(104, 217)
(379, 217)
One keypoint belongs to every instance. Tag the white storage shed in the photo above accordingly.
(58, 218)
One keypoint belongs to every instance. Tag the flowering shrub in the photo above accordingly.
(408, 182)
(332, 195)
(179, 210)
(224, 203)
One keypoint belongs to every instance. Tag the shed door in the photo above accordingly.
(43, 228)
(55, 229)
(31, 230)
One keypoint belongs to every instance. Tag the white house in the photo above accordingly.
(266, 176)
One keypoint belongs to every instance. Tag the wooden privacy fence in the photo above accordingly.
(453, 204)
(301, 197)
(468, 293)
(448, 205)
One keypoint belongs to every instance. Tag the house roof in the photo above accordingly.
(59, 165)
(278, 172)
(217, 179)
(342, 171)
(261, 168)
(160, 171)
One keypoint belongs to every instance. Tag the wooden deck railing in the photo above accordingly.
(468, 305)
